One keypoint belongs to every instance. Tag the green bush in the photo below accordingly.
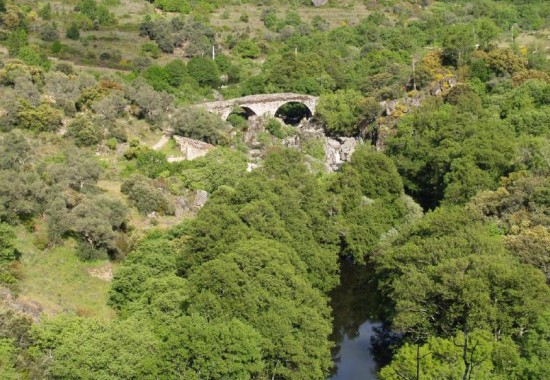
(244, 17)
(146, 196)
(8, 252)
(16, 40)
(73, 33)
(65, 68)
(99, 14)
(85, 252)
(341, 112)
(177, 72)
(315, 148)
(204, 71)
(182, 6)
(237, 121)
(32, 55)
(56, 47)
(45, 11)
(274, 127)
(150, 162)
(112, 143)
(84, 131)
(39, 119)
(199, 124)
(49, 33)
(247, 49)
(152, 49)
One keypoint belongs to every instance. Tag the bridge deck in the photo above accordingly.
(261, 98)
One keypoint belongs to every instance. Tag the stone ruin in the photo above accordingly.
(190, 148)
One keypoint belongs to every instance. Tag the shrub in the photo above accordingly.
(31, 55)
(8, 254)
(45, 12)
(247, 49)
(275, 128)
(141, 63)
(99, 14)
(152, 49)
(65, 68)
(118, 132)
(112, 143)
(315, 148)
(158, 77)
(56, 47)
(39, 119)
(176, 71)
(204, 71)
(270, 20)
(48, 32)
(73, 33)
(237, 121)
(182, 6)
(146, 196)
(341, 112)
(85, 252)
(200, 124)
(17, 40)
(91, 95)
(84, 131)
(105, 56)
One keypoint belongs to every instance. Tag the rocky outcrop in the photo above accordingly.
(251, 166)
(31, 308)
(395, 109)
(200, 198)
(338, 151)
(442, 85)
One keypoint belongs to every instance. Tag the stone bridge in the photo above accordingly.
(259, 105)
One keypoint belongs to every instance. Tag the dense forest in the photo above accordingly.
(121, 259)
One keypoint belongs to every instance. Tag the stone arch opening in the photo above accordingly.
(242, 112)
(293, 112)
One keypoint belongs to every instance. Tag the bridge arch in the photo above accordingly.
(293, 112)
(244, 111)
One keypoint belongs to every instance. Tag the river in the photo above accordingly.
(355, 312)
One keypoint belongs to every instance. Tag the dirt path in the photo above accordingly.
(162, 142)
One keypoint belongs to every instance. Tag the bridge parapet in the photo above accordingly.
(262, 104)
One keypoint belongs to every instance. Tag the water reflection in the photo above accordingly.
(355, 359)
(355, 307)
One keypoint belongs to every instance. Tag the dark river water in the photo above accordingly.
(355, 313)
(355, 360)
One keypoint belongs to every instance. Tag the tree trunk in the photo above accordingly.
(465, 354)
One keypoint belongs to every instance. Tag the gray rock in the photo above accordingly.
(200, 198)
(251, 166)
(390, 106)
(319, 3)
(338, 151)
(182, 207)
(347, 148)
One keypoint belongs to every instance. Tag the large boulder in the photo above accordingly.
(319, 3)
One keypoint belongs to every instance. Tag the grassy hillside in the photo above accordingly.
(57, 281)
